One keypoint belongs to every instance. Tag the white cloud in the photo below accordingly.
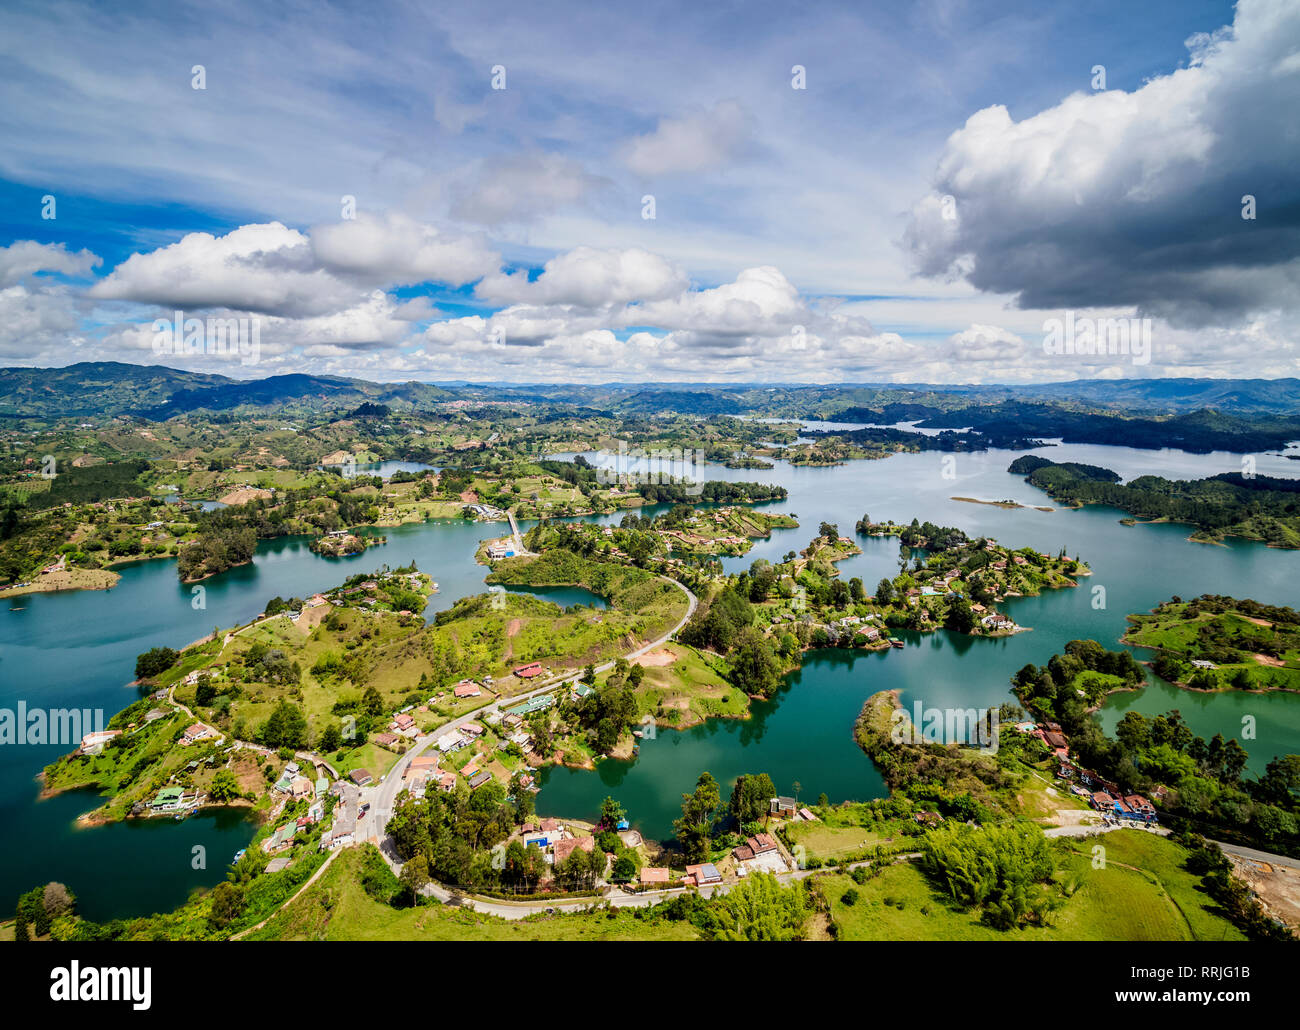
(1135, 199)
(591, 278)
(27, 257)
(394, 249)
(694, 143)
(522, 188)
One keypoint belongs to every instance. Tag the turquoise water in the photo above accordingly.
(79, 649)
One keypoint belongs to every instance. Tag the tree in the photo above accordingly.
(960, 616)
(754, 668)
(760, 909)
(611, 813)
(57, 899)
(224, 786)
(885, 592)
(751, 797)
(695, 827)
(155, 662)
(228, 902)
(286, 726)
(415, 875)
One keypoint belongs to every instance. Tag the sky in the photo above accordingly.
(938, 191)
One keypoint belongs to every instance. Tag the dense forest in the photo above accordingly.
(1230, 504)
(1205, 789)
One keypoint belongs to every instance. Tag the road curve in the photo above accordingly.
(383, 796)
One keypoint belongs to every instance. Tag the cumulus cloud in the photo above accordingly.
(267, 268)
(274, 270)
(24, 258)
(36, 321)
(392, 248)
(695, 142)
(592, 278)
(1135, 198)
(522, 188)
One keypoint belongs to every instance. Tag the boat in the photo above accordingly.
(895, 643)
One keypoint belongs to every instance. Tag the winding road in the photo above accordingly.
(383, 795)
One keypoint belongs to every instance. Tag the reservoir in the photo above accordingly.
(81, 647)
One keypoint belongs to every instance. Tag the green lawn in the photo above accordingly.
(337, 908)
(1155, 901)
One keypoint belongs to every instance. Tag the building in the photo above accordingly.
(169, 799)
(783, 807)
(479, 779)
(452, 741)
(529, 671)
(93, 743)
(565, 848)
(388, 740)
(361, 777)
(655, 874)
(761, 843)
(467, 688)
(196, 732)
(703, 874)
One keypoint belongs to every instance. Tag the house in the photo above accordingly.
(479, 779)
(403, 723)
(783, 807)
(565, 848)
(467, 688)
(1201, 663)
(1054, 740)
(361, 777)
(450, 742)
(1102, 801)
(806, 815)
(421, 763)
(529, 671)
(761, 843)
(655, 874)
(303, 787)
(386, 739)
(1140, 808)
(703, 874)
(196, 732)
(169, 799)
(93, 743)
(447, 782)
(322, 785)
(282, 838)
(744, 853)
(474, 729)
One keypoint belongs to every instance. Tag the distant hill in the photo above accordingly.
(158, 392)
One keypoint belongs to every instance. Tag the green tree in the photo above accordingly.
(695, 827)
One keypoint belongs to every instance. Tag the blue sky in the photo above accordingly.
(953, 176)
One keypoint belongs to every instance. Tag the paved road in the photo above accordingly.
(383, 795)
(1258, 856)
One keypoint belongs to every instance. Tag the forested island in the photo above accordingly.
(1231, 504)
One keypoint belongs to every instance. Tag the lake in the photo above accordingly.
(81, 647)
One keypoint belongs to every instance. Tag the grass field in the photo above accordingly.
(338, 908)
(1141, 894)
(688, 691)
